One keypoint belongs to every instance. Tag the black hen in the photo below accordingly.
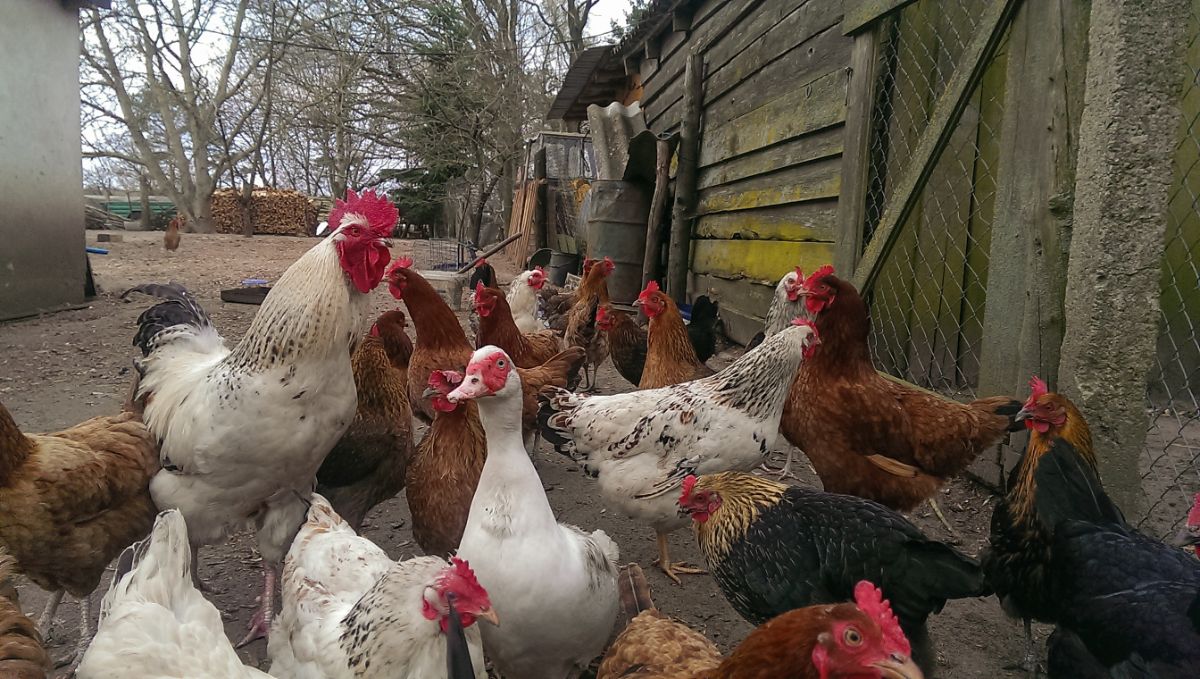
(483, 273)
(773, 548)
(1133, 601)
(702, 327)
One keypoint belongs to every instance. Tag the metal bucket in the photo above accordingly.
(561, 264)
(617, 229)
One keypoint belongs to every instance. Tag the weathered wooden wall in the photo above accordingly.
(771, 141)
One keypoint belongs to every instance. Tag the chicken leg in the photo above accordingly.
(46, 620)
(1029, 663)
(782, 473)
(260, 622)
(673, 570)
(85, 638)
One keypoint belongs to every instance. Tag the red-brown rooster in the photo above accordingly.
(870, 436)
(670, 357)
(496, 327)
(860, 640)
(581, 322)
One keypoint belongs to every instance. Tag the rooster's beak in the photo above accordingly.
(1187, 537)
(899, 667)
(429, 393)
(489, 614)
(1022, 415)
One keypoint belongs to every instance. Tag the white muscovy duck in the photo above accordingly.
(154, 624)
(555, 585)
(522, 298)
(642, 444)
(350, 612)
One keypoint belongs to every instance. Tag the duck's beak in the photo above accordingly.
(490, 615)
(899, 667)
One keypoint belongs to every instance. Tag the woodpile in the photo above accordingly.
(272, 211)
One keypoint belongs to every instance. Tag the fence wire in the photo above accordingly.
(927, 306)
(1170, 464)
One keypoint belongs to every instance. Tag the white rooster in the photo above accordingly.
(243, 430)
(788, 303)
(350, 612)
(154, 623)
(642, 444)
(523, 299)
(555, 585)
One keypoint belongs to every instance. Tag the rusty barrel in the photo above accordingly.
(617, 229)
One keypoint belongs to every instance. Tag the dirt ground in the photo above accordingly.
(63, 368)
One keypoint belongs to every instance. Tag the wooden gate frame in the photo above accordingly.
(863, 23)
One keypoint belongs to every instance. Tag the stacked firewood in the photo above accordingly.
(272, 211)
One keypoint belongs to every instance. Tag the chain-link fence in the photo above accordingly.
(928, 301)
(1170, 465)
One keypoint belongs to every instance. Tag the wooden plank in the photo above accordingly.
(812, 181)
(825, 143)
(825, 53)
(866, 13)
(683, 211)
(757, 259)
(799, 36)
(813, 220)
(856, 151)
(711, 20)
(803, 109)
(973, 63)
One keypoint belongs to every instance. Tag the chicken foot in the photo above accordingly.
(260, 622)
(784, 472)
(673, 570)
(46, 620)
(85, 638)
(1029, 663)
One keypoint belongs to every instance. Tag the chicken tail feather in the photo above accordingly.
(179, 308)
(158, 568)
(634, 591)
(554, 411)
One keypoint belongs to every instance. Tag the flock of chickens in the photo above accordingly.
(302, 426)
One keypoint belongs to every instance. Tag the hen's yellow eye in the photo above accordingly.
(852, 636)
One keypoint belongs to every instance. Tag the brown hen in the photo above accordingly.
(497, 328)
(22, 655)
(871, 436)
(842, 641)
(367, 464)
(670, 356)
(581, 321)
(442, 345)
(442, 476)
(71, 501)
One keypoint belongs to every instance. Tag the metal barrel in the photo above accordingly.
(617, 229)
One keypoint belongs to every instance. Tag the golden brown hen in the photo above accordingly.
(497, 327)
(71, 501)
(670, 357)
(839, 641)
(581, 321)
(22, 655)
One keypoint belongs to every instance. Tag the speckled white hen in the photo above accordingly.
(522, 299)
(154, 624)
(642, 444)
(243, 430)
(350, 612)
(554, 585)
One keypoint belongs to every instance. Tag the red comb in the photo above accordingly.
(478, 290)
(1037, 389)
(462, 568)
(601, 313)
(651, 288)
(380, 213)
(539, 270)
(800, 274)
(817, 275)
(870, 601)
(689, 483)
(400, 263)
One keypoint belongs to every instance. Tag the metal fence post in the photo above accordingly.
(1127, 138)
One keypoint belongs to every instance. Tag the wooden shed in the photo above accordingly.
(773, 105)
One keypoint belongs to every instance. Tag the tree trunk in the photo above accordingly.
(144, 189)
(246, 202)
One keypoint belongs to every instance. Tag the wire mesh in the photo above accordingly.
(1170, 463)
(927, 305)
(439, 255)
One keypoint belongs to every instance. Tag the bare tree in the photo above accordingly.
(149, 76)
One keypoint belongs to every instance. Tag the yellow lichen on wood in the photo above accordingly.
(757, 259)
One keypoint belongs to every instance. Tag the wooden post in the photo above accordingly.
(685, 177)
(1127, 140)
(543, 215)
(1035, 181)
(658, 207)
(856, 154)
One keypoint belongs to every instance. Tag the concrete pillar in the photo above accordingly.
(1128, 135)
